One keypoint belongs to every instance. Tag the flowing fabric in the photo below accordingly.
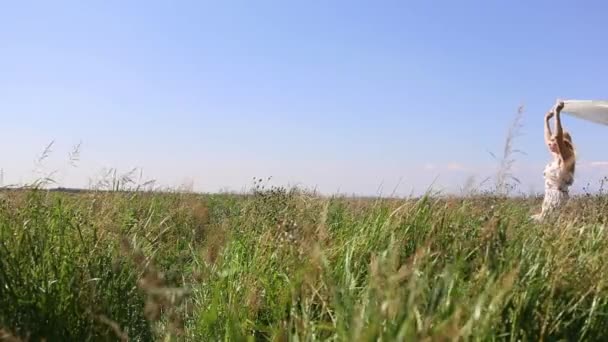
(591, 110)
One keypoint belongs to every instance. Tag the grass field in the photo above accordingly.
(284, 265)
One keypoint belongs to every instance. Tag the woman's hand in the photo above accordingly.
(558, 106)
(549, 115)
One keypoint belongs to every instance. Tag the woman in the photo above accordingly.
(559, 173)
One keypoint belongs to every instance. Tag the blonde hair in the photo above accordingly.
(571, 162)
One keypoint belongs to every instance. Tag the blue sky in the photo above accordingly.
(346, 96)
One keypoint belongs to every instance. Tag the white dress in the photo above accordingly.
(557, 182)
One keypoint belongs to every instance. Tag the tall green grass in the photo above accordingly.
(286, 265)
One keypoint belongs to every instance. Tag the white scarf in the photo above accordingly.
(591, 110)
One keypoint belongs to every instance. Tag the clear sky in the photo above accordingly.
(346, 96)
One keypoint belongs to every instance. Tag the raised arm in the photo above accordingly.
(559, 131)
(564, 151)
(548, 134)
